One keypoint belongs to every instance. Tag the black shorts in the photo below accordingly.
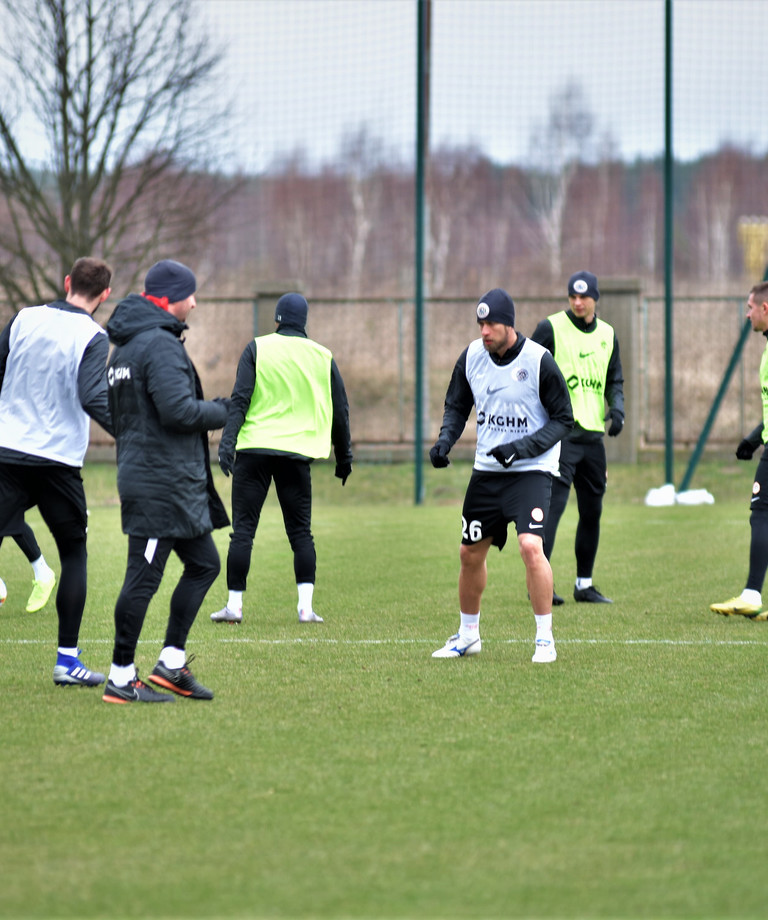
(493, 500)
(56, 489)
(583, 463)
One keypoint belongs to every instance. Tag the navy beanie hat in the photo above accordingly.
(292, 309)
(496, 307)
(170, 279)
(583, 284)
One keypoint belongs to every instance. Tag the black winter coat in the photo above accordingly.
(161, 423)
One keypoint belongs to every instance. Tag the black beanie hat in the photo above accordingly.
(496, 307)
(170, 279)
(583, 284)
(292, 309)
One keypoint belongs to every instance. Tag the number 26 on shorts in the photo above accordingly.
(472, 531)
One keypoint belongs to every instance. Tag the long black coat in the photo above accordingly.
(161, 423)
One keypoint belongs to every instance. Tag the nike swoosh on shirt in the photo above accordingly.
(585, 354)
(535, 526)
(491, 390)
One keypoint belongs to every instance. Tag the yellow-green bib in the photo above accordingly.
(291, 408)
(764, 391)
(583, 357)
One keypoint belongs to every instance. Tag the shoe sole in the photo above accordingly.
(120, 700)
(160, 681)
(77, 683)
(738, 612)
(116, 699)
(168, 685)
(231, 622)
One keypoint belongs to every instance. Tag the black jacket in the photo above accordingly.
(161, 423)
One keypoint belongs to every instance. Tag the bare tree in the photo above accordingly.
(116, 91)
(557, 148)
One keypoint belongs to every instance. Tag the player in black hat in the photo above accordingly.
(167, 499)
(289, 407)
(523, 411)
(587, 352)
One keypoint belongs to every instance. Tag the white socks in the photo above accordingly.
(306, 592)
(235, 601)
(752, 597)
(122, 675)
(582, 583)
(173, 657)
(543, 625)
(41, 570)
(470, 625)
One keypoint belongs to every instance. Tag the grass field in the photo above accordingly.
(341, 772)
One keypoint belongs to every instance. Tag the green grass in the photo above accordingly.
(342, 772)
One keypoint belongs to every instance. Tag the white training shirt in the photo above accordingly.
(40, 409)
(508, 406)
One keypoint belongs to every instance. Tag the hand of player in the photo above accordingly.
(226, 461)
(745, 450)
(617, 422)
(506, 454)
(343, 471)
(439, 456)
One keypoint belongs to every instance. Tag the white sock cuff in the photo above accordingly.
(122, 675)
(173, 657)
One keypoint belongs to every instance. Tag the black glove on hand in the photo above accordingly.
(504, 453)
(439, 456)
(617, 422)
(226, 461)
(343, 471)
(745, 450)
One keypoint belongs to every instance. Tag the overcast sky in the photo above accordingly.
(302, 72)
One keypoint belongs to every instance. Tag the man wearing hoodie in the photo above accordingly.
(167, 498)
(288, 407)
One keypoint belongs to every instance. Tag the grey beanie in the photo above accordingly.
(496, 307)
(292, 309)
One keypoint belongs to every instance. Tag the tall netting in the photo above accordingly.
(545, 155)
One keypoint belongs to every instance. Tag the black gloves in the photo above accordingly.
(617, 422)
(343, 471)
(745, 450)
(439, 456)
(506, 454)
(226, 461)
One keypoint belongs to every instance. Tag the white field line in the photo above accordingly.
(703, 643)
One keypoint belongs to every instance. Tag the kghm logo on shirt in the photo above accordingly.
(116, 374)
(496, 420)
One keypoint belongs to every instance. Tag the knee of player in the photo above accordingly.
(531, 548)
